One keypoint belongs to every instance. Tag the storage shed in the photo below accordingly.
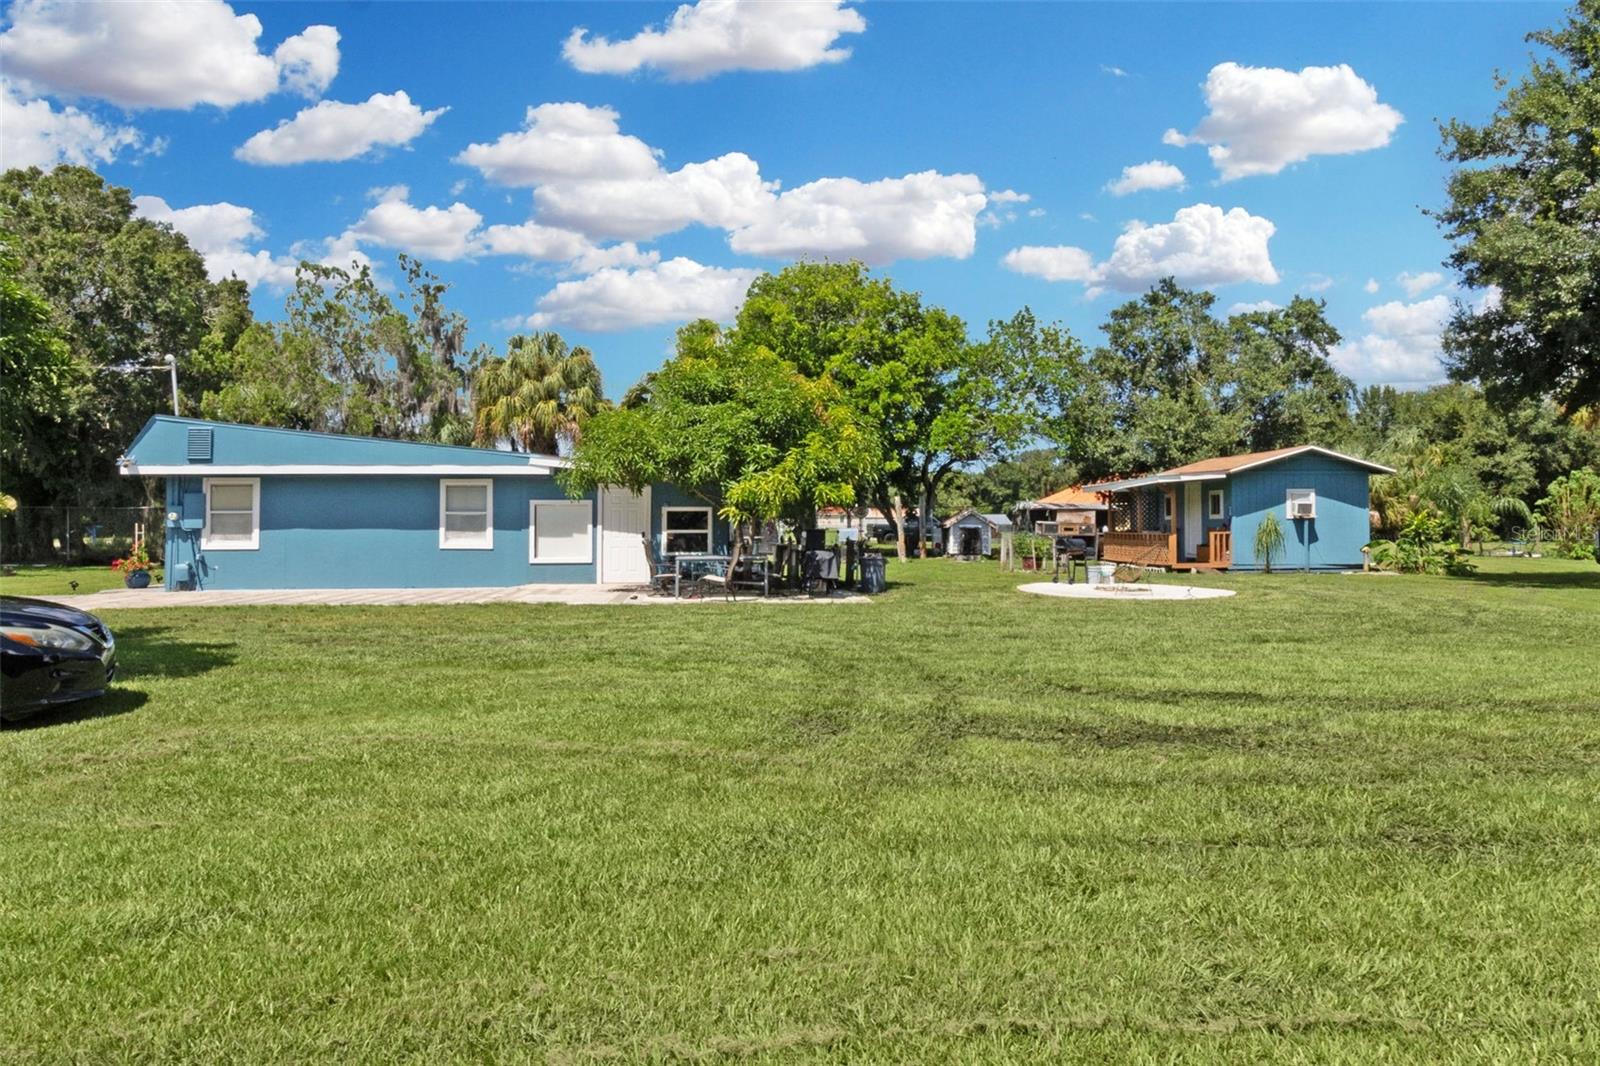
(970, 535)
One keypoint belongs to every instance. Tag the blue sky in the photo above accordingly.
(733, 139)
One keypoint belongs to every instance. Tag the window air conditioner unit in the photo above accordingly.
(1302, 503)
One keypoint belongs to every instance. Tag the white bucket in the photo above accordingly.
(1102, 573)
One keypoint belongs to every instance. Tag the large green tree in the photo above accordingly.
(736, 425)
(123, 293)
(1524, 215)
(537, 396)
(347, 359)
(1174, 383)
(40, 381)
(935, 399)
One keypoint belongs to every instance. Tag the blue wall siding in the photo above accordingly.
(369, 532)
(1332, 540)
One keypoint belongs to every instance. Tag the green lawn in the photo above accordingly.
(1331, 820)
(52, 580)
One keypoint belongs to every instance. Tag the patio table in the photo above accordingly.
(702, 561)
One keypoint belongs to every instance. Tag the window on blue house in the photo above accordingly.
(464, 509)
(685, 530)
(561, 531)
(233, 514)
(1214, 504)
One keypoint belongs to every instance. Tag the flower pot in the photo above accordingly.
(137, 579)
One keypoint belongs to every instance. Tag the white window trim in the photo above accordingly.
(488, 526)
(206, 543)
(1289, 498)
(533, 526)
(710, 530)
(1214, 506)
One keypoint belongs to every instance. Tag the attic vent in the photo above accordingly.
(199, 445)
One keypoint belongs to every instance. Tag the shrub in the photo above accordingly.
(1423, 547)
(1571, 512)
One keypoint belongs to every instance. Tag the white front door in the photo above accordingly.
(1194, 523)
(624, 522)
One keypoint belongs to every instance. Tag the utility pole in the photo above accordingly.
(172, 365)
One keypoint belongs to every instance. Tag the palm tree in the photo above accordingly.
(537, 396)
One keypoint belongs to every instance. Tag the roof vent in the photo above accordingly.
(199, 445)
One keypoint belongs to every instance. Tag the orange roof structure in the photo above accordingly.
(1072, 496)
(1225, 465)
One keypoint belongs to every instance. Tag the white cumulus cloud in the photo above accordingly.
(1402, 345)
(1252, 308)
(1141, 176)
(715, 36)
(590, 177)
(161, 53)
(35, 134)
(308, 61)
(918, 216)
(1371, 286)
(440, 233)
(1057, 263)
(330, 131)
(1262, 119)
(1203, 245)
(220, 232)
(677, 290)
(1417, 284)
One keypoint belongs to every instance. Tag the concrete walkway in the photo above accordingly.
(125, 599)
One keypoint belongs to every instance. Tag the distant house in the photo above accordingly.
(970, 535)
(877, 524)
(253, 507)
(1204, 515)
(1075, 510)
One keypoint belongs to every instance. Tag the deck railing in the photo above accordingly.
(1221, 547)
(1140, 549)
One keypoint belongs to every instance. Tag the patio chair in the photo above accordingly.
(710, 579)
(663, 577)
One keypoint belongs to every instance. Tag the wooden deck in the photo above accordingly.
(1161, 549)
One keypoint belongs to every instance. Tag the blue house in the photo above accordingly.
(253, 507)
(1204, 515)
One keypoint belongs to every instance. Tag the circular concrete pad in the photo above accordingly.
(1140, 592)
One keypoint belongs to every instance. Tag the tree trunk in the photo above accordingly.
(928, 502)
(897, 511)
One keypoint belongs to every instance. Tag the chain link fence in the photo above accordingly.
(79, 535)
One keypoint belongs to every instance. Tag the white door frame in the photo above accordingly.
(1194, 517)
(600, 575)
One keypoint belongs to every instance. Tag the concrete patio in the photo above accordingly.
(126, 599)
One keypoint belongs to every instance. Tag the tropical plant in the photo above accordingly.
(1423, 547)
(1571, 511)
(536, 397)
(1269, 540)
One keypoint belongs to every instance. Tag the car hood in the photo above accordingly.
(20, 610)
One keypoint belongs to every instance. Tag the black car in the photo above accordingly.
(51, 655)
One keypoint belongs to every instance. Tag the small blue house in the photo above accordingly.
(254, 507)
(1204, 515)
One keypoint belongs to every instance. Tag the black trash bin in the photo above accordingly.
(872, 573)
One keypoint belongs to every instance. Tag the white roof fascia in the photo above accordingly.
(314, 469)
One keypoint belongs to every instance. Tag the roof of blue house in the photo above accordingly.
(168, 445)
(1229, 465)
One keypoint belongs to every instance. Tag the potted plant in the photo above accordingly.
(135, 569)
